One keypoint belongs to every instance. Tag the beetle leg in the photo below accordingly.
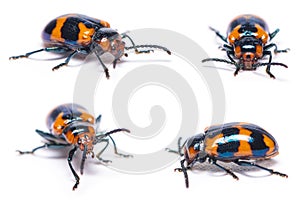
(227, 170)
(66, 61)
(237, 70)
(103, 65)
(25, 55)
(218, 34)
(272, 35)
(99, 154)
(245, 163)
(33, 150)
(116, 150)
(71, 154)
(115, 62)
(48, 49)
(267, 47)
(45, 146)
(269, 63)
(99, 139)
(184, 170)
(226, 48)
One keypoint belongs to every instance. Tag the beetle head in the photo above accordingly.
(85, 142)
(110, 41)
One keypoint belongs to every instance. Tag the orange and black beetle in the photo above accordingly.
(80, 34)
(247, 41)
(73, 125)
(232, 142)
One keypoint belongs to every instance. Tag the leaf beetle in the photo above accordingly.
(247, 41)
(72, 125)
(81, 34)
(236, 142)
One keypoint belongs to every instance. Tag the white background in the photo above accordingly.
(29, 89)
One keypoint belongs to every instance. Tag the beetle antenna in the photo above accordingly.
(136, 47)
(100, 137)
(152, 46)
(218, 60)
(116, 130)
(179, 150)
(83, 159)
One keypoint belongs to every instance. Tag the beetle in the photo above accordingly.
(248, 41)
(81, 34)
(235, 142)
(72, 125)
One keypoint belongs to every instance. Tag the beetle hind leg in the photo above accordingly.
(26, 55)
(33, 150)
(245, 163)
(45, 146)
(47, 49)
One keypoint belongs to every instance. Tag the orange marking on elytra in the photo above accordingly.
(211, 146)
(269, 143)
(86, 117)
(244, 148)
(105, 24)
(56, 32)
(59, 124)
(259, 51)
(261, 34)
(234, 35)
(85, 34)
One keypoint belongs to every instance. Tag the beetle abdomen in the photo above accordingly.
(239, 141)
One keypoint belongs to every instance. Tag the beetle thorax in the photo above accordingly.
(194, 149)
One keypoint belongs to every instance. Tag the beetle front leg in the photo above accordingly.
(184, 170)
(269, 53)
(116, 149)
(70, 158)
(103, 65)
(267, 47)
(99, 154)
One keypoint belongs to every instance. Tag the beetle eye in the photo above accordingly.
(104, 40)
(197, 147)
